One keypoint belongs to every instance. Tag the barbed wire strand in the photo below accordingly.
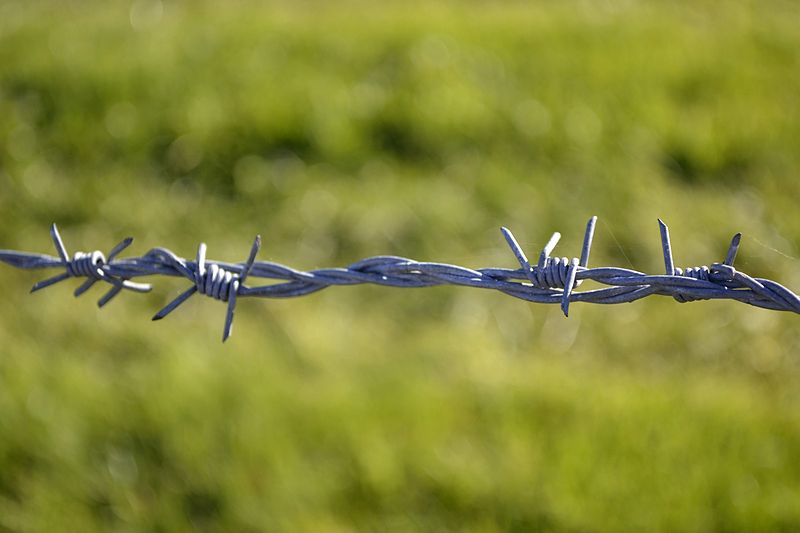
(552, 280)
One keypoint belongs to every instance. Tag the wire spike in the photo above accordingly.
(250, 260)
(226, 332)
(669, 264)
(59, 244)
(170, 307)
(568, 285)
(50, 281)
(85, 286)
(116, 250)
(587, 241)
(107, 297)
(200, 274)
(135, 287)
(548, 248)
(519, 254)
(733, 250)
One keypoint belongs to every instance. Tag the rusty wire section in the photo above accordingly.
(552, 280)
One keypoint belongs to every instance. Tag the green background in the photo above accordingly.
(341, 131)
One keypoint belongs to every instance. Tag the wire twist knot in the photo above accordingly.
(214, 281)
(718, 273)
(91, 266)
(702, 273)
(554, 273)
(86, 265)
(217, 282)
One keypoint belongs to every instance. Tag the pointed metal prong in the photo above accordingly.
(200, 274)
(548, 249)
(50, 281)
(587, 241)
(733, 250)
(118, 285)
(571, 273)
(520, 255)
(115, 251)
(113, 291)
(59, 244)
(85, 286)
(175, 303)
(136, 287)
(226, 332)
(250, 260)
(669, 264)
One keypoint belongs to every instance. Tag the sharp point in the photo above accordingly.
(509, 237)
(565, 299)
(733, 249)
(253, 252)
(666, 248)
(587, 241)
(664, 230)
(227, 329)
(54, 233)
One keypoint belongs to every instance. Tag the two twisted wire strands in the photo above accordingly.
(550, 280)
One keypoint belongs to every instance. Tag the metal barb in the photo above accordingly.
(551, 280)
(669, 264)
(733, 249)
(587, 241)
(90, 266)
(548, 249)
(553, 273)
(59, 244)
(571, 273)
(214, 281)
(520, 255)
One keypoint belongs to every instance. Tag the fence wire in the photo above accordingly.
(552, 280)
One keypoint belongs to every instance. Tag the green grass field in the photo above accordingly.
(416, 129)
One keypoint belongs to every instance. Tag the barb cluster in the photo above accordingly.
(550, 280)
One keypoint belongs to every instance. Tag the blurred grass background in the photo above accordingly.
(344, 130)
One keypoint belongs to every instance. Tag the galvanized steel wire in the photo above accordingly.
(552, 280)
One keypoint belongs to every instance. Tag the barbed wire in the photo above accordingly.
(552, 280)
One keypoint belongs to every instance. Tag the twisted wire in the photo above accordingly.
(86, 265)
(554, 274)
(551, 280)
(216, 283)
(701, 273)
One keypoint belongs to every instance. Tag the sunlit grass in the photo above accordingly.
(339, 133)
